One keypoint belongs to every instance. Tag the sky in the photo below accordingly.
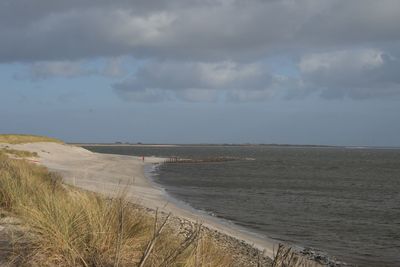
(202, 71)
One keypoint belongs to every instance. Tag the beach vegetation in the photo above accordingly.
(66, 226)
(26, 138)
(18, 153)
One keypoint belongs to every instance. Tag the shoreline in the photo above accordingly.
(111, 174)
(258, 240)
(243, 235)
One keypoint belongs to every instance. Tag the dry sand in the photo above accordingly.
(111, 174)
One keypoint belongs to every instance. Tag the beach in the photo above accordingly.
(115, 174)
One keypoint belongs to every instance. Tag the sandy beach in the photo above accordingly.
(111, 174)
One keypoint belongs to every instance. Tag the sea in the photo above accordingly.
(341, 201)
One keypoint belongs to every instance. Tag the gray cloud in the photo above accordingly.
(189, 30)
(354, 73)
(205, 50)
(199, 81)
(360, 73)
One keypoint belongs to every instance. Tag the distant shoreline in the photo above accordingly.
(233, 145)
(197, 145)
(115, 144)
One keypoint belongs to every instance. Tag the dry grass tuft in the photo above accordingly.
(286, 257)
(19, 153)
(25, 138)
(69, 227)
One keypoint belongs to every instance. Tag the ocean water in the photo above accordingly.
(342, 201)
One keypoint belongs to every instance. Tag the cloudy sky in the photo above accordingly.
(202, 71)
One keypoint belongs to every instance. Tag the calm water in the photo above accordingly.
(345, 202)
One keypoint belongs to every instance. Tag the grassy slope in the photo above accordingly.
(18, 153)
(25, 138)
(69, 227)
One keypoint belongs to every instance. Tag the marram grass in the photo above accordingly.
(18, 153)
(25, 138)
(70, 227)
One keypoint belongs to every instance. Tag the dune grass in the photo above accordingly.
(18, 153)
(70, 227)
(25, 138)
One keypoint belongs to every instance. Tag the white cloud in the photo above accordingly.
(344, 60)
(227, 73)
(199, 81)
(357, 73)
